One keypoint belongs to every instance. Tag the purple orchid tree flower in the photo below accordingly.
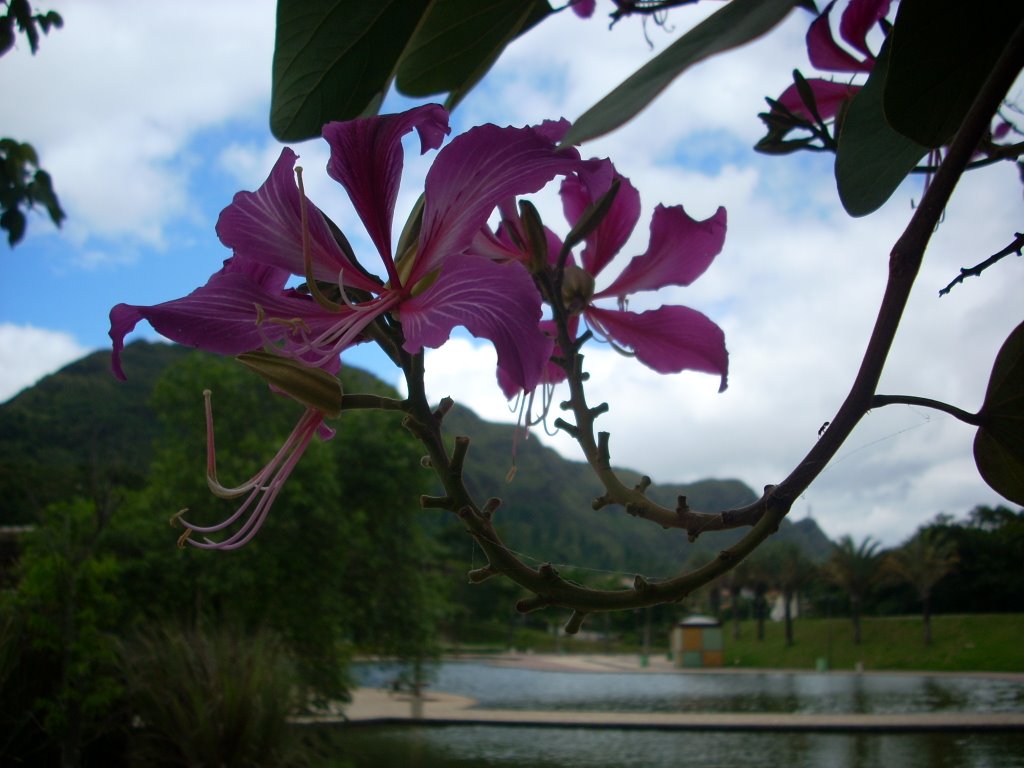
(850, 54)
(669, 339)
(434, 285)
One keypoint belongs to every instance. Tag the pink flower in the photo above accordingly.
(435, 284)
(669, 339)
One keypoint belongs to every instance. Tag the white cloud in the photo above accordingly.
(28, 353)
(117, 94)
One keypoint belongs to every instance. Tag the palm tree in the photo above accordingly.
(855, 569)
(794, 573)
(922, 562)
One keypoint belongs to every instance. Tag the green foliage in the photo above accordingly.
(976, 642)
(19, 14)
(23, 184)
(999, 444)
(66, 614)
(336, 59)
(872, 158)
(737, 23)
(940, 58)
(80, 432)
(211, 697)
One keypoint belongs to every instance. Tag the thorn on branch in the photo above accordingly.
(597, 410)
(531, 604)
(600, 502)
(443, 407)
(459, 455)
(643, 485)
(572, 626)
(602, 448)
(1015, 247)
(490, 507)
(548, 572)
(478, 575)
(566, 427)
(437, 502)
(641, 585)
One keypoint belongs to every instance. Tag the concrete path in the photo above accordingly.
(374, 705)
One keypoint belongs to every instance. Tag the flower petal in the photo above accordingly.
(680, 249)
(857, 20)
(479, 169)
(669, 339)
(498, 302)
(825, 53)
(367, 159)
(586, 187)
(829, 96)
(221, 316)
(266, 226)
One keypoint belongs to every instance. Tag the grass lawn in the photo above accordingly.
(975, 642)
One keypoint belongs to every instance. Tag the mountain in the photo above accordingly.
(80, 429)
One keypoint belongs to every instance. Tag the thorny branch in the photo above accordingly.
(977, 269)
(549, 588)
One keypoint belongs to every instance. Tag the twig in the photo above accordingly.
(977, 269)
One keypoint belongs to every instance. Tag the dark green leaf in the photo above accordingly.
(999, 444)
(334, 59)
(13, 220)
(872, 159)
(735, 24)
(941, 55)
(458, 40)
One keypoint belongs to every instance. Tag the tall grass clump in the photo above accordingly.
(212, 697)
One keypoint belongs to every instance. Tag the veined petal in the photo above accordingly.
(478, 170)
(497, 302)
(367, 159)
(583, 189)
(680, 249)
(266, 226)
(220, 317)
(829, 96)
(857, 20)
(825, 53)
(669, 339)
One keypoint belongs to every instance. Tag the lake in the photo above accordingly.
(515, 747)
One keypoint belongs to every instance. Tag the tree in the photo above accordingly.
(854, 568)
(922, 562)
(793, 572)
(23, 182)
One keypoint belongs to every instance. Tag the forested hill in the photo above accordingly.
(82, 432)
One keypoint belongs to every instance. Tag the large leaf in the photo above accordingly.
(333, 60)
(871, 159)
(999, 444)
(457, 41)
(737, 23)
(941, 55)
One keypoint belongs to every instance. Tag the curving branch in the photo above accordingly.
(549, 588)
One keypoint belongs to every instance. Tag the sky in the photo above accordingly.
(150, 116)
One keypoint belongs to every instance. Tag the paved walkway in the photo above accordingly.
(374, 705)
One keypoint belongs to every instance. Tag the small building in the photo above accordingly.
(697, 642)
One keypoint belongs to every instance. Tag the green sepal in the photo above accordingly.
(312, 387)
